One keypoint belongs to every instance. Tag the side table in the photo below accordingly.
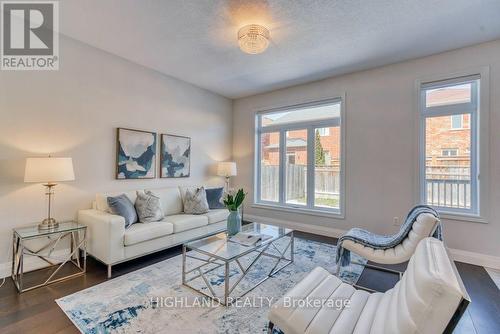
(74, 232)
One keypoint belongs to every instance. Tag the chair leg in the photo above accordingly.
(270, 327)
(109, 270)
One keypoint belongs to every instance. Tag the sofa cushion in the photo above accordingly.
(101, 200)
(143, 232)
(215, 216)
(195, 202)
(184, 222)
(148, 207)
(122, 206)
(183, 190)
(214, 196)
(170, 199)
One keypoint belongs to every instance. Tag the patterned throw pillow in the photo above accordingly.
(123, 206)
(214, 196)
(195, 202)
(148, 207)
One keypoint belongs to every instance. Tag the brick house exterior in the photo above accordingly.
(297, 148)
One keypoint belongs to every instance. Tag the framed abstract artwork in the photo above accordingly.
(175, 155)
(136, 154)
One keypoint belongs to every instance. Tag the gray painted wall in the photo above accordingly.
(75, 112)
(381, 145)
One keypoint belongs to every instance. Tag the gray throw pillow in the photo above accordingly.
(148, 207)
(123, 206)
(195, 202)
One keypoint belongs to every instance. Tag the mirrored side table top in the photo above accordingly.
(60, 247)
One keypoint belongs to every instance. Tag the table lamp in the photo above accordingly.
(226, 169)
(49, 171)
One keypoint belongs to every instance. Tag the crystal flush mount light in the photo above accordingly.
(253, 38)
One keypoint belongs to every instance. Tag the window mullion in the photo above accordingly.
(282, 168)
(258, 167)
(310, 165)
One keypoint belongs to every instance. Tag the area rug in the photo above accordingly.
(153, 300)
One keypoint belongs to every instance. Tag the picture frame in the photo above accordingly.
(175, 156)
(136, 154)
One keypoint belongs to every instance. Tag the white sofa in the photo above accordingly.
(430, 298)
(111, 243)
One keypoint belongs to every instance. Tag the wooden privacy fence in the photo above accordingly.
(327, 182)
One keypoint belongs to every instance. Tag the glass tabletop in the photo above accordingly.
(34, 231)
(219, 246)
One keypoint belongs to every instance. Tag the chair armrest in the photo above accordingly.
(105, 234)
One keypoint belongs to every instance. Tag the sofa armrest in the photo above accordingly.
(105, 234)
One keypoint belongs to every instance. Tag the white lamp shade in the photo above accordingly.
(226, 169)
(49, 170)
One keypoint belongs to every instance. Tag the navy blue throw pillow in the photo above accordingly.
(214, 196)
(123, 206)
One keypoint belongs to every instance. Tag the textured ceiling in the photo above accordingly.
(195, 40)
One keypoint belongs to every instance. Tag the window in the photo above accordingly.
(449, 150)
(324, 132)
(456, 122)
(269, 163)
(299, 159)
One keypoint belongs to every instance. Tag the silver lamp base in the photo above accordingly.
(48, 224)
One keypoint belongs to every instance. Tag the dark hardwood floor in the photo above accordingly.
(36, 312)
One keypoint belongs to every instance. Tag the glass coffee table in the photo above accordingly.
(235, 261)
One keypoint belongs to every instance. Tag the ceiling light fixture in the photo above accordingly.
(253, 38)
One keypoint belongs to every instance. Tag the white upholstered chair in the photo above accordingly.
(424, 226)
(429, 298)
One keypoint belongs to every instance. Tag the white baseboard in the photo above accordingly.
(478, 259)
(31, 263)
(457, 254)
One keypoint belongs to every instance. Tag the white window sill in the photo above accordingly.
(470, 218)
(312, 212)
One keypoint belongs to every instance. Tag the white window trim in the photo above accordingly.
(282, 205)
(482, 145)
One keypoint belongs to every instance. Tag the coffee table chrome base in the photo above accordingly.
(226, 299)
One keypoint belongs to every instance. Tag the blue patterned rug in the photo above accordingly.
(153, 300)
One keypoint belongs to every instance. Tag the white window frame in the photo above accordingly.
(309, 208)
(478, 124)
